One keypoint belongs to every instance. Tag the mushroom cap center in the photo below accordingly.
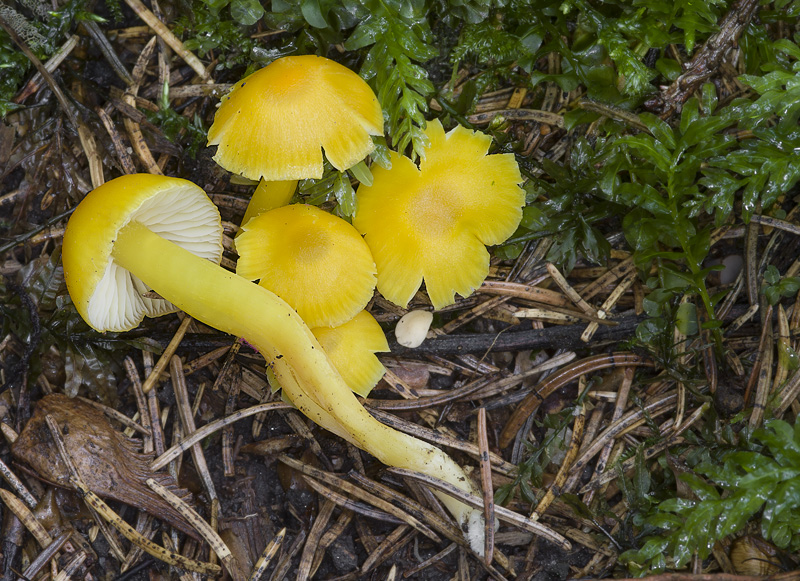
(433, 211)
(311, 245)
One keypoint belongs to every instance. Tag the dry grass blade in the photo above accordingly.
(502, 513)
(331, 535)
(187, 421)
(762, 370)
(431, 561)
(649, 452)
(76, 480)
(557, 316)
(484, 386)
(36, 82)
(390, 544)
(141, 404)
(166, 356)
(608, 304)
(17, 485)
(472, 314)
(196, 436)
(166, 34)
(116, 415)
(48, 552)
(561, 378)
(26, 517)
(358, 493)
(439, 523)
(486, 486)
(629, 421)
(624, 268)
(619, 408)
(147, 545)
(399, 385)
(525, 291)
(285, 563)
(441, 439)
(312, 542)
(567, 289)
(784, 345)
(267, 554)
(202, 527)
(72, 567)
(349, 504)
(546, 117)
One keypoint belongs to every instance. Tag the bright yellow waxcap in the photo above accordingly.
(275, 123)
(108, 297)
(351, 348)
(433, 222)
(315, 261)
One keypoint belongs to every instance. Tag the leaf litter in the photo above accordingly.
(639, 400)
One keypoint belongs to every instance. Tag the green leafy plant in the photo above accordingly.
(571, 204)
(761, 478)
(174, 125)
(777, 287)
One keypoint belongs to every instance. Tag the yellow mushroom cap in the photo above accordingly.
(315, 261)
(107, 296)
(433, 222)
(351, 347)
(275, 122)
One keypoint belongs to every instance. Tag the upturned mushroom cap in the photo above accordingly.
(275, 123)
(351, 347)
(315, 261)
(432, 222)
(107, 296)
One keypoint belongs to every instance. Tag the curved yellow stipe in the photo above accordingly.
(268, 196)
(432, 222)
(275, 123)
(351, 347)
(315, 261)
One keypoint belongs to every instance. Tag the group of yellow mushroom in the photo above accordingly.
(316, 271)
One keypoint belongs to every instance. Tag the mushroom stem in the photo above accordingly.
(268, 196)
(234, 305)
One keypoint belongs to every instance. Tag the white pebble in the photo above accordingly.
(412, 328)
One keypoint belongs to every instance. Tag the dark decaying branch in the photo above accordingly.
(706, 61)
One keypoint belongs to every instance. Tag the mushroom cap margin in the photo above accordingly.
(351, 348)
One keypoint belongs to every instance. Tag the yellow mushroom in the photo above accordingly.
(275, 123)
(315, 261)
(140, 232)
(432, 222)
(321, 266)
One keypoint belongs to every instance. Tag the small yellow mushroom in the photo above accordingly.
(432, 222)
(315, 261)
(275, 123)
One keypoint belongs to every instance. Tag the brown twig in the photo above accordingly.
(486, 487)
(707, 60)
(502, 513)
(561, 378)
(165, 33)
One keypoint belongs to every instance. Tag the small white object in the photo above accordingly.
(733, 264)
(412, 328)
